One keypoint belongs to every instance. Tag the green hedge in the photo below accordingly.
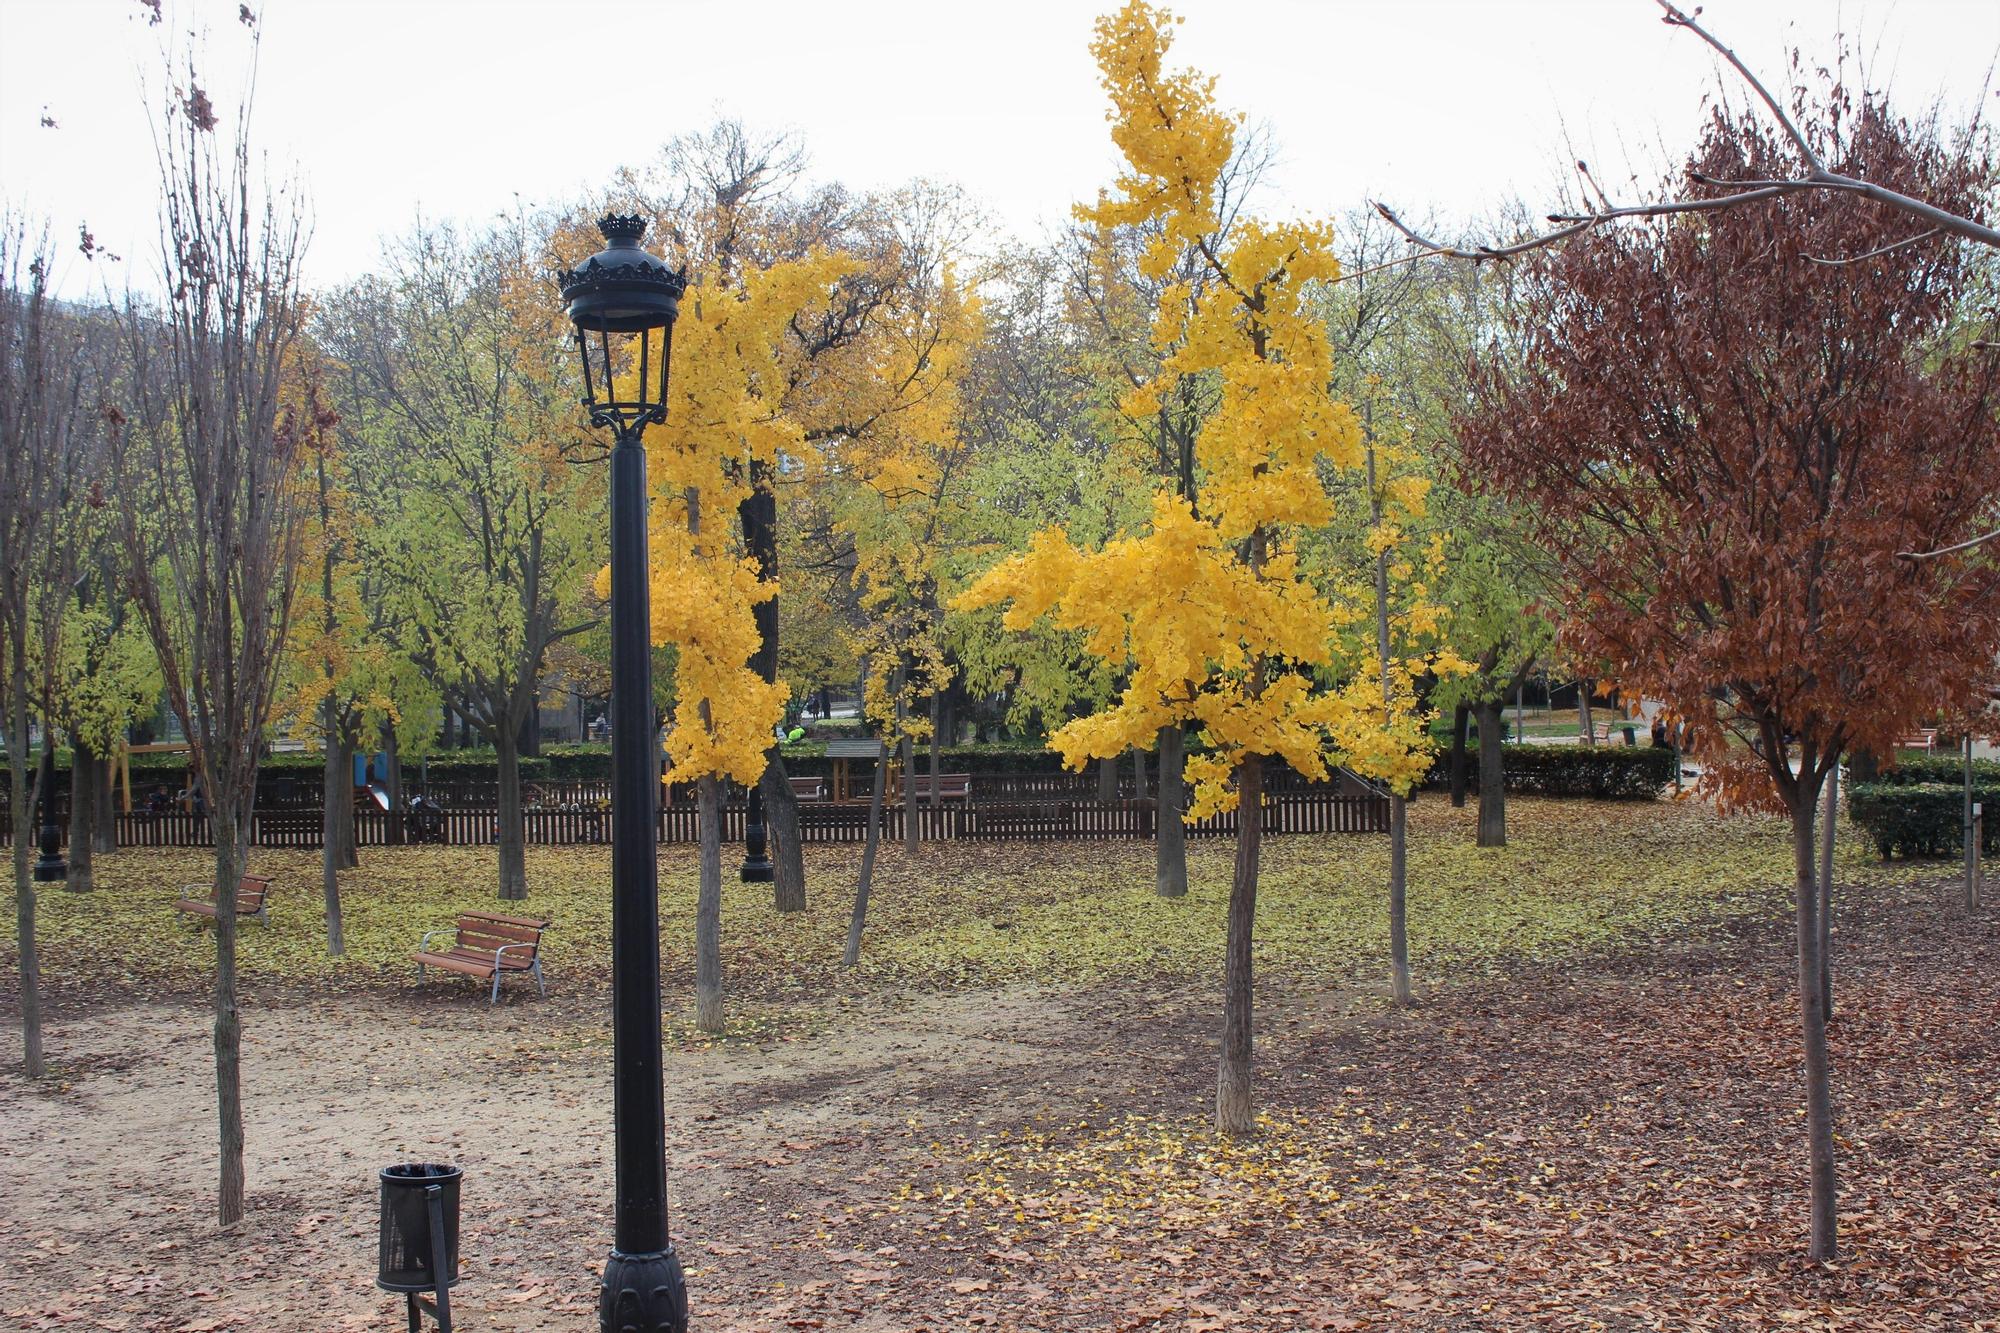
(1600, 772)
(1921, 768)
(1924, 818)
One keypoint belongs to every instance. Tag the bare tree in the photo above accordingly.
(205, 479)
(45, 426)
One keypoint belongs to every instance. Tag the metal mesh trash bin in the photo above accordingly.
(419, 1243)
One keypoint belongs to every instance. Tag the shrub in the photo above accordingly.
(1923, 818)
(1601, 772)
(1912, 769)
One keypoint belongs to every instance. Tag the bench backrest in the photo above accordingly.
(947, 784)
(250, 891)
(486, 931)
(809, 789)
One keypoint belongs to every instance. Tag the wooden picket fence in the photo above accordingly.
(1329, 809)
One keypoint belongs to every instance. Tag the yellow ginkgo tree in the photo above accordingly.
(724, 410)
(1211, 607)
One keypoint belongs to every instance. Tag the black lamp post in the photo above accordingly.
(759, 515)
(618, 299)
(50, 867)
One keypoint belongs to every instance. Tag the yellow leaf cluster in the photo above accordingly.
(725, 408)
(1210, 610)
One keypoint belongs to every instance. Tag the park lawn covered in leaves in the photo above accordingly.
(1577, 877)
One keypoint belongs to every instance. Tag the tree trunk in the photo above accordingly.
(513, 836)
(1492, 776)
(1828, 820)
(1107, 780)
(1586, 725)
(1399, 933)
(708, 907)
(937, 744)
(1232, 1084)
(230, 845)
(1812, 1011)
(346, 855)
(104, 811)
(910, 831)
(21, 810)
(1170, 851)
(339, 775)
(82, 803)
(1138, 774)
(781, 826)
(1461, 719)
(859, 919)
(394, 782)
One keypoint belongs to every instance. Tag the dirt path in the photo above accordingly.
(111, 1167)
(1604, 1143)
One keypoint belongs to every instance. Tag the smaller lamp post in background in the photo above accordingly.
(50, 867)
(621, 300)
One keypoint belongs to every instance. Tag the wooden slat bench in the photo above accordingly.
(487, 945)
(950, 786)
(1924, 739)
(252, 893)
(809, 789)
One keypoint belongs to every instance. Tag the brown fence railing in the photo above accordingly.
(1325, 810)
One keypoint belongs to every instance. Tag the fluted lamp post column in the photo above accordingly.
(623, 302)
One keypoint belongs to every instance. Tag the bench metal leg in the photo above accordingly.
(495, 999)
(540, 988)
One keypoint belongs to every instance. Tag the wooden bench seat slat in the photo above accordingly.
(504, 934)
(530, 922)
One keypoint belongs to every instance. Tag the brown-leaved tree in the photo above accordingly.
(1724, 440)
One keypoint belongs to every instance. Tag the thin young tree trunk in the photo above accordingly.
(513, 837)
(859, 919)
(1399, 931)
(1399, 935)
(1492, 776)
(1233, 1114)
(1170, 851)
(781, 826)
(1586, 725)
(910, 830)
(338, 774)
(1812, 1011)
(1138, 774)
(708, 907)
(1828, 820)
(937, 745)
(346, 855)
(82, 803)
(104, 810)
(22, 796)
(394, 783)
(1461, 719)
(1107, 780)
(230, 842)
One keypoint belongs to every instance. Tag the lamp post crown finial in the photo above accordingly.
(622, 227)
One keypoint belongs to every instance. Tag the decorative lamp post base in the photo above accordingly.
(643, 1293)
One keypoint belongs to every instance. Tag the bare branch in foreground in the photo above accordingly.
(1817, 177)
(1948, 550)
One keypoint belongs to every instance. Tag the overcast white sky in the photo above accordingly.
(456, 106)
